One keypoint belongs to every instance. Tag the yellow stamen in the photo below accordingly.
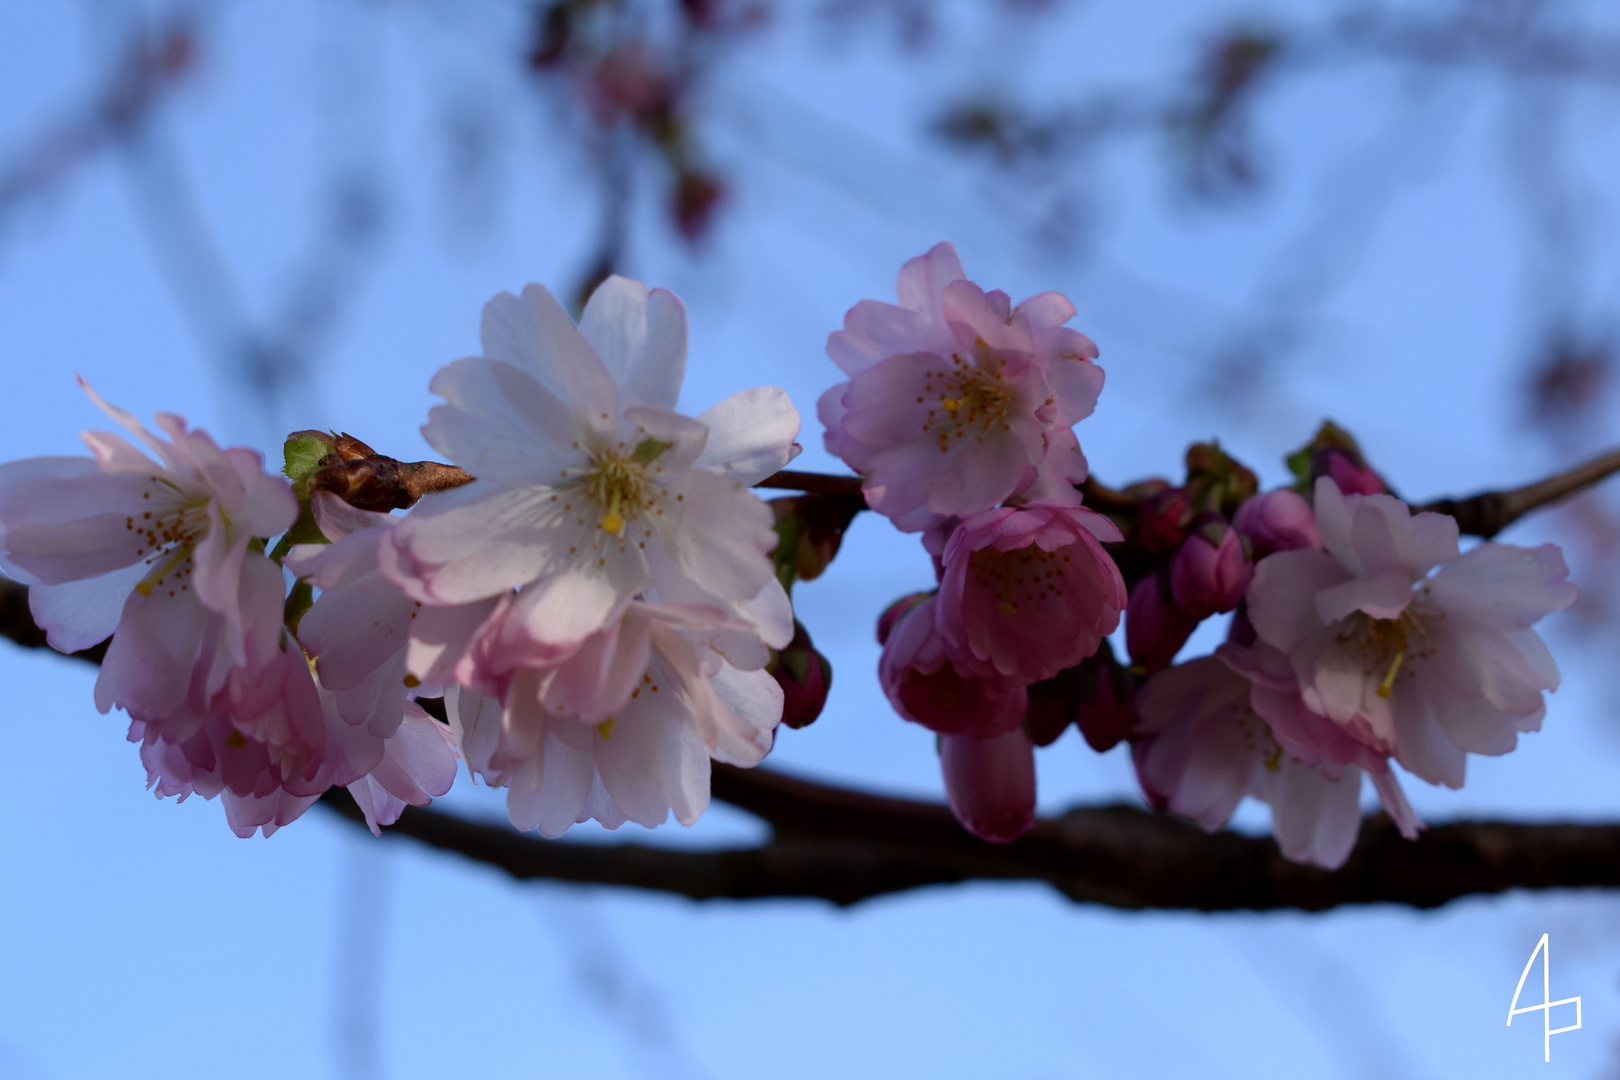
(951, 405)
(412, 682)
(1008, 609)
(1387, 687)
(605, 728)
(612, 522)
(150, 582)
(1274, 762)
(235, 740)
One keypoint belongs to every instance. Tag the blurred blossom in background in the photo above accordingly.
(271, 217)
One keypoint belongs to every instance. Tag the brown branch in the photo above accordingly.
(813, 483)
(845, 846)
(1117, 856)
(1489, 512)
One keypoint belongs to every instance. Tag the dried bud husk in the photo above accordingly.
(1218, 481)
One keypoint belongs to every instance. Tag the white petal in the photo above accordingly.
(640, 336)
(751, 434)
(500, 424)
(534, 332)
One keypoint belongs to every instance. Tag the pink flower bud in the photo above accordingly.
(1211, 569)
(897, 611)
(1095, 693)
(927, 686)
(1277, 521)
(1163, 519)
(1155, 628)
(804, 676)
(990, 784)
(1352, 477)
(1106, 716)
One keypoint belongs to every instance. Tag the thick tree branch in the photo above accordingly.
(844, 846)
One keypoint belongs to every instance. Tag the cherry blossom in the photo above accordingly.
(159, 554)
(1201, 747)
(1029, 590)
(591, 489)
(956, 399)
(624, 729)
(1414, 649)
(926, 685)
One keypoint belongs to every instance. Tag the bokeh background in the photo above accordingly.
(271, 216)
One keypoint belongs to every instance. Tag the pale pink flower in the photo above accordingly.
(1414, 649)
(591, 489)
(1029, 590)
(957, 400)
(990, 783)
(657, 702)
(157, 550)
(1201, 747)
(927, 687)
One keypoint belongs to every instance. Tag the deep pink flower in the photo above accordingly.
(926, 687)
(990, 783)
(1412, 648)
(1029, 590)
(1210, 570)
(957, 400)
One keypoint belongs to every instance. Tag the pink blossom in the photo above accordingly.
(990, 783)
(1163, 518)
(154, 553)
(951, 696)
(1277, 521)
(1210, 570)
(1413, 649)
(660, 700)
(1029, 590)
(591, 489)
(957, 400)
(1201, 747)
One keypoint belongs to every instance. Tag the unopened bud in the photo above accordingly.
(1163, 519)
(805, 676)
(1277, 521)
(1211, 569)
(895, 612)
(1155, 628)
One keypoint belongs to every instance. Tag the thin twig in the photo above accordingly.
(1489, 512)
(812, 483)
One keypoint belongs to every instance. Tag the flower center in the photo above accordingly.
(165, 537)
(1386, 647)
(1024, 575)
(972, 399)
(619, 486)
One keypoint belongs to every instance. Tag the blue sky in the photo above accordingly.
(142, 939)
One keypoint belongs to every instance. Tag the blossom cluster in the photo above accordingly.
(589, 605)
(596, 608)
(1361, 636)
(959, 415)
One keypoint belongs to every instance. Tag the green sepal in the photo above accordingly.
(298, 602)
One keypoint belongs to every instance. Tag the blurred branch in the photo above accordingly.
(1489, 512)
(845, 847)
